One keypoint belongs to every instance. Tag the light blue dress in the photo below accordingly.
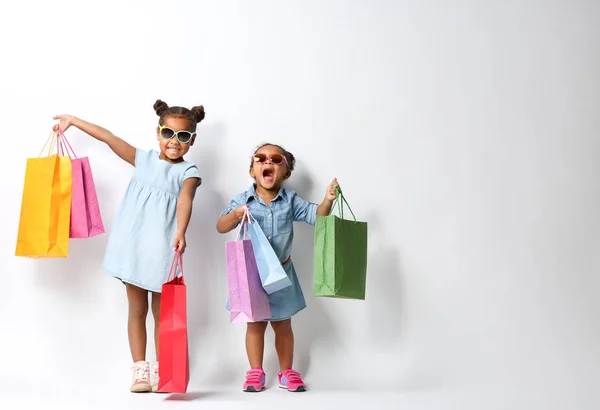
(140, 245)
(277, 222)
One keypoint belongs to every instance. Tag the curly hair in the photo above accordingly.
(195, 115)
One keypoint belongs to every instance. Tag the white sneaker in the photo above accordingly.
(140, 379)
(155, 378)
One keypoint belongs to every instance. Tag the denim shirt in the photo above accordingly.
(276, 219)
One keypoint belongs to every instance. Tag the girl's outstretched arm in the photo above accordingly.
(184, 212)
(119, 147)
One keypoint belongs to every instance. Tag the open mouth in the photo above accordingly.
(173, 150)
(268, 174)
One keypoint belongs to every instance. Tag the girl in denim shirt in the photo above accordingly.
(275, 209)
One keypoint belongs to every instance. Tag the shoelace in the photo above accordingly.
(293, 376)
(253, 376)
(141, 373)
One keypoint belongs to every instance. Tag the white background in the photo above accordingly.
(465, 133)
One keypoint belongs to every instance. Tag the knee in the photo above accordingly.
(257, 328)
(138, 310)
(283, 328)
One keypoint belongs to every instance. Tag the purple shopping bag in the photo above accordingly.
(86, 220)
(248, 301)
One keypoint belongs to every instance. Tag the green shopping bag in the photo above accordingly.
(340, 254)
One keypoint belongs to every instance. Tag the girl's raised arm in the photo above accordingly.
(119, 146)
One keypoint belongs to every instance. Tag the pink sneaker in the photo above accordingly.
(140, 379)
(255, 380)
(291, 380)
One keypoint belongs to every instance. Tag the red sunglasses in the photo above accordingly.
(275, 158)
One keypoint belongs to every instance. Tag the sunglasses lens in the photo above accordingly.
(184, 136)
(167, 133)
(260, 158)
(277, 158)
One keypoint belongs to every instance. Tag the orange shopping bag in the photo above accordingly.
(46, 205)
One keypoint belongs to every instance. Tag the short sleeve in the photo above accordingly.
(235, 202)
(191, 172)
(304, 211)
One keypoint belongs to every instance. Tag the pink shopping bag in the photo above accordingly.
(86, 220)
(248, 301)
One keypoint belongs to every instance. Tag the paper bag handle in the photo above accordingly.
(56, 140)
(248, 218)
(340, 204)
(177, 260)
(67, 144)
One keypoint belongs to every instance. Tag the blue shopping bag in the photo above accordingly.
(272, 274)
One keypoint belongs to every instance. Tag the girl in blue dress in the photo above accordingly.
(275, 209)
(152, 221)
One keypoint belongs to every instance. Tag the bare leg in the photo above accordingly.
(136, 322)
(156, 314)
(255, 343)
(284, 343)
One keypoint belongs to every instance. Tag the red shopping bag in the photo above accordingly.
(173, 356)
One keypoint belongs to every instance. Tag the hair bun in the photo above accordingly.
(198, 112)
(160, 107)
